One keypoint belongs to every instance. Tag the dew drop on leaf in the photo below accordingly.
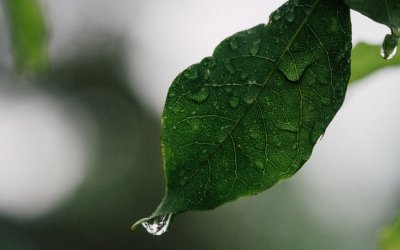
(191, 73)
(255, 47)
(389, 47)
(249, 98)
(199, 96)
(288, 127)
(207, 74)
(209, 62)
(276, 15)
(290, 16)
(234, 45)
(158, 225)
(259, 164)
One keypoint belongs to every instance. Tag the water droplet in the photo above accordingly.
(158, 225)
(229, 67)
(259, 164)
(389, 47)
(290, 16)
(348, 46)
(234, 102)
(275, 15)
(221, 138)
(234, 44)
(199, 96)
(288, 127)
(295, 146)
(209, 62)
(249, 98)
(207, 74)
(191, 72)
(255, 47)
(290, 70)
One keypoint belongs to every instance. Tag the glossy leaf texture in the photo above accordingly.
(382, 11)
(28, 35)
(248, 116)
(365, 61)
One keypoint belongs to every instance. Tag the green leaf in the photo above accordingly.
(382, 11)
(28, 34)
(238, 122)
(390, 236)
(365, 60)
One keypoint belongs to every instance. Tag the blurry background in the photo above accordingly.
(80, 151)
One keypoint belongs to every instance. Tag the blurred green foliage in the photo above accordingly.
(390, 236)
(366, 60)
(28, 32)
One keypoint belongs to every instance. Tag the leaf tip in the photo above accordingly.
(137, 223)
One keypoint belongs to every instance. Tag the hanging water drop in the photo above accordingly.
(199, 96)
(389, 47)
(158, 225)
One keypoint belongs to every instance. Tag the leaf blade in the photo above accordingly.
(382, 11)
(28, 34)
(239, 121)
